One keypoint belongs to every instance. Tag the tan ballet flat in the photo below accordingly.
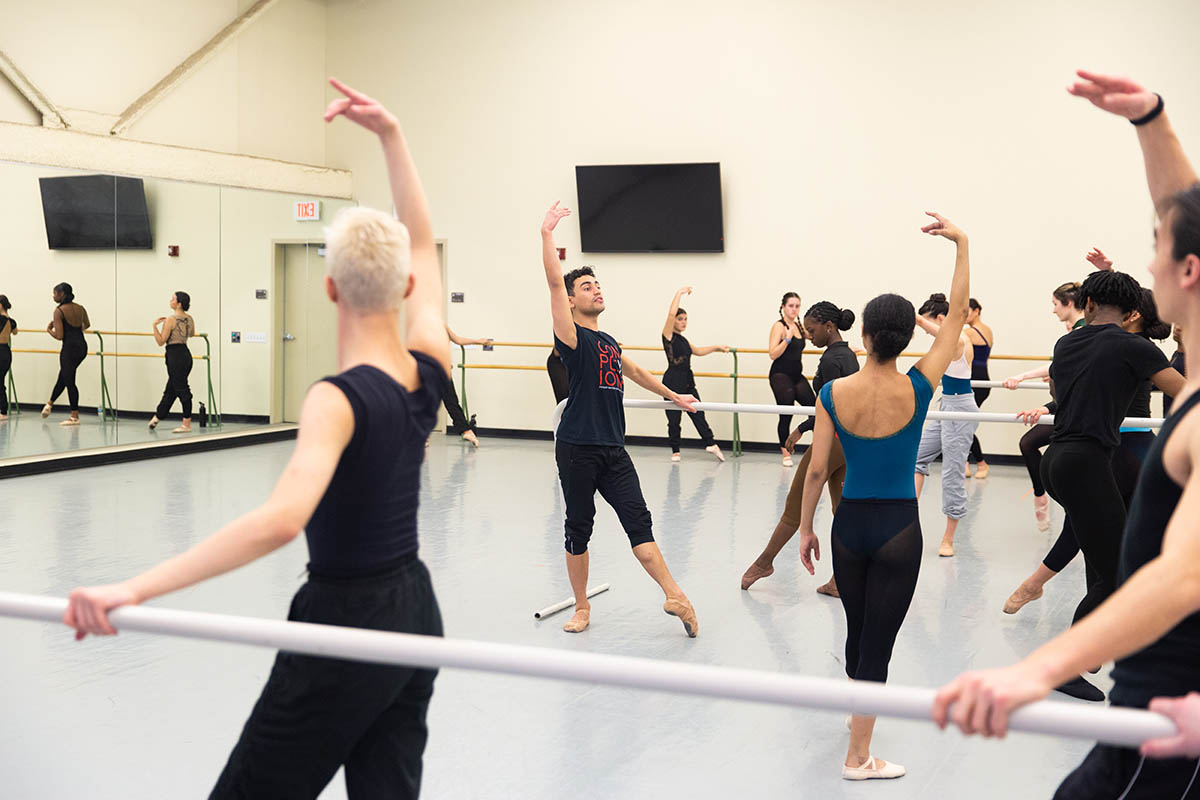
(69, 421)
(981, 471)
(687, 615)
(754, 574)
(579, 622)
(946, 550)
(1019, 598)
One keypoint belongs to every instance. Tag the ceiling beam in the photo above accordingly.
(51, 116)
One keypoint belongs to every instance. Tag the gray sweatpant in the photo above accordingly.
(952, 440)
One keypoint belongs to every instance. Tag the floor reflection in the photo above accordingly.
(27, 434)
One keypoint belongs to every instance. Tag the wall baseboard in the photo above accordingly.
(252, 419)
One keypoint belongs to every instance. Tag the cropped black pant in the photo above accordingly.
(179, 366)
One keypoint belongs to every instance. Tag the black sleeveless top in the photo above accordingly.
(1171, 666)
(679, 362)
(72, 335)
(368, 516)
(789, 360)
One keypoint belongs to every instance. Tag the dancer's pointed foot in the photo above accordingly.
(755, 573)
(680, 607)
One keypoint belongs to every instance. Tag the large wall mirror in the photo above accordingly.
(251, 264)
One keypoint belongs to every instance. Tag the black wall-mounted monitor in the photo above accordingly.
(95, 212)
(650, 208)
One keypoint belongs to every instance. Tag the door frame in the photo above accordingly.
(276, 349)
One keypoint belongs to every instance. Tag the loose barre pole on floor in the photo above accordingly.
(1118, 726)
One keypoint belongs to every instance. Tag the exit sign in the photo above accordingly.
(308, 210)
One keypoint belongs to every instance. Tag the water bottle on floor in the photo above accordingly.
(203, 417)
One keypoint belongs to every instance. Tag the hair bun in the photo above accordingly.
(937, 297)
(846, 322)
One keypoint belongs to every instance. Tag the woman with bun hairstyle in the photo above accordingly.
(823, 323)
(8, 327)
(67, 325)
(788, 383)
(982, 340)
(679, 377)
(951, 439)
(174, 331)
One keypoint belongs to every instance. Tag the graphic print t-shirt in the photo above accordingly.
(594, 413)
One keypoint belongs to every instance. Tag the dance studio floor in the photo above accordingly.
(150, 716)
(27, 434)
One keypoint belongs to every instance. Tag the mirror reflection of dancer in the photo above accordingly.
(173, 332)
(679, 377)
(788, 384)
(590, 444)
(982, 341)
(351, 486)
(1151, 624)
(8, 328)
(462, 426)
(69, 322)
(877, 414)
(823, 323)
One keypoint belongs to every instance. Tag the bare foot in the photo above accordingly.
(1020, 597)
(579, 622)
(680, 607)
(829, 589)
(755, 573)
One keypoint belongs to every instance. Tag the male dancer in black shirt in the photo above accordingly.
(590, 442)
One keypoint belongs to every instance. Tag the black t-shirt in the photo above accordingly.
(1171, 666)
(1140, 405)
(837, 361)
(1096, 372)
(368, 515)
(679, 361)
(594, 413)
(1180, 364)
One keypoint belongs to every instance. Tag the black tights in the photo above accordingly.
(69, 359)
(5, 365)
(789, 390)
(458, 420)
(1079, 477)
(1032, 443)
(179, 366)
(876, 559)
(979, 374)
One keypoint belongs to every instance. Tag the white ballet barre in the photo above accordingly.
(570, 601)
(1045, 387)
(1117, 726)
(966, 416)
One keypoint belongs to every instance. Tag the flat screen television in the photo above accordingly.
(95, 212)
(650, 208)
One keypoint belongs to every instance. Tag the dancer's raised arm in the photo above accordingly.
(945, 343)
(560, 305)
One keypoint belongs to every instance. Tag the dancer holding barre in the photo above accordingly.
(8, 329)
(877, 415)
(1151, 624)
(352, 486)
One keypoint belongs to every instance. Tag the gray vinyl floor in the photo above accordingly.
(27, 434)
(142, 716)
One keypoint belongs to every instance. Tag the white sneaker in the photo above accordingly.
(869, 771)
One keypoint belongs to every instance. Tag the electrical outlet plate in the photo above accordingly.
(255, 338)
(457, 297)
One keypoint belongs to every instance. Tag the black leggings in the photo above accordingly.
(458, 420)
(1126, 466)
(979, 372)
(675, 418)
(69, 359)
(790, 389)
(560, 383)
(1032, 443)
(5, 365)
(876, 559)
(1079, 476)
(179, 366)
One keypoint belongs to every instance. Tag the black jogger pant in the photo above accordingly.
(179, 366)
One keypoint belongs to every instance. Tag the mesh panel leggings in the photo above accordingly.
(1032, 443)
(1079, 476)
(69, 359)
(789, 390)
(876, 559)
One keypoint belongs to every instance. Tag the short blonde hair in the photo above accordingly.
(369, 258)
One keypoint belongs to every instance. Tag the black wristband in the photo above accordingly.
(1154, 112)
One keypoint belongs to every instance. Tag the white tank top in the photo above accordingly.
(959, 367)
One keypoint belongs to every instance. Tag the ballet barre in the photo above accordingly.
(961, 416)
(1123, 727)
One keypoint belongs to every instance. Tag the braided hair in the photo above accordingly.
(826, 311)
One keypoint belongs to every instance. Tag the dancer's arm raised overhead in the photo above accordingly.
(560, 305)
(425, 328)
(668, 330)
(1168, 170)
(945, 343)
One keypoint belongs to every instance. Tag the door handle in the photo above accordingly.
(287, 337)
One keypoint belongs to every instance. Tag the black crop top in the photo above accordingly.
(368, 516)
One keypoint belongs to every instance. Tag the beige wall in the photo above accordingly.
(836, 125)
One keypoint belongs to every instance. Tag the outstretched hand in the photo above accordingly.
(1032, 416)
(87, 608)
(1185, 712)
(685, 402)
(359, 108)
(810, 548)
(1099, 260)
(1114, 94)
(943, 227)
(553, 216)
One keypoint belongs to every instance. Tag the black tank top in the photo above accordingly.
(789, 360)
(1171, 666)
(679, 358)
(72, 335)
(368, 516)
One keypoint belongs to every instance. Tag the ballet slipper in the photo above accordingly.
(755, 573)
(787, 461)
(675, 458)
(579, 622)
(471, 437)
(69, 421)
(153, 423)
(716, 451)
(981, 471)
(829, 589)
(183, 429)
(680, 607)
(3, 417)
(872, 769)
(967, 471)
(1041, 512)
(1019, 598)
(946, 550)
(46, 409)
